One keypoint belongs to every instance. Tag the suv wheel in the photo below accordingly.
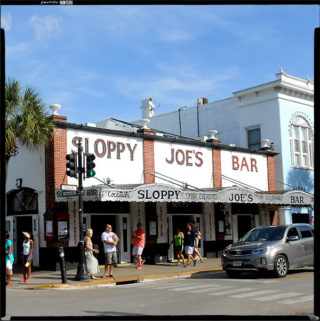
(233, 273)
(281, 266)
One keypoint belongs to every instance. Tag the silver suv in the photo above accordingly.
(270, 248)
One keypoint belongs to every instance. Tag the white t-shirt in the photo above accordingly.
(111, 237)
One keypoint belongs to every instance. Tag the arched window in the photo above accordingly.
(301, 143)
(22, 201)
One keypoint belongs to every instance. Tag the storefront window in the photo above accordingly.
(63, 229)
(23, 201)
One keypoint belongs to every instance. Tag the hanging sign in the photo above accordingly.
(166, 193)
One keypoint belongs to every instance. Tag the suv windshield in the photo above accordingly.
(265, 234)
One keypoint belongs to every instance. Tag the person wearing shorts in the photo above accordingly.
(139, 238)
(178, 243)
(110, 241)
(189, 242)
(26, 257)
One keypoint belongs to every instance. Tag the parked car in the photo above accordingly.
(270, 248)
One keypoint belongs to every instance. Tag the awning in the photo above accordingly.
(168, 193)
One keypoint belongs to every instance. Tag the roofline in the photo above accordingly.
(62, 124)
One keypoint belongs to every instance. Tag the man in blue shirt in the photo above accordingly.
(189, 239)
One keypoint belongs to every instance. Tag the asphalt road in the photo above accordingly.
(202, 295)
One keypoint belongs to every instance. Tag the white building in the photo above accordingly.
(278, 113)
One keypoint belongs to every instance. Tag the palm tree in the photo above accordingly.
(26, 121)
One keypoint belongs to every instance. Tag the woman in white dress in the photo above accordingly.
(91, 262)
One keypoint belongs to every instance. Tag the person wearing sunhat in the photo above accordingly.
(27, 250)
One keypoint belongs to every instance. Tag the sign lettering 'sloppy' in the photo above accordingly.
(162, 194)
(109, 148)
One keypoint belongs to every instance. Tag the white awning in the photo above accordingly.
(168, 193)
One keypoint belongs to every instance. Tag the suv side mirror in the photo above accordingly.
(293, 238)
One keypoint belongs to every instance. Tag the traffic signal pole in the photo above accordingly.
(81, 273)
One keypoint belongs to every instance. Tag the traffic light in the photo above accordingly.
(72, 165)
(90, 165)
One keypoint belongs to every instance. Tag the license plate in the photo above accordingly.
(237, 263)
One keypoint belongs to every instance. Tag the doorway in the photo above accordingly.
(23, 224)
(98, 225)
(244, 225)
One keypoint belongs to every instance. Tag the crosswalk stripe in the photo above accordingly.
(277, 296)
(216, 288)
(250, 281)
(231, 291)
(191, 287)
(166, 286)
(297, 300)
(254, 293)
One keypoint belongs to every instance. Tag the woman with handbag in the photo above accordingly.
(92, 264)
(9, 259)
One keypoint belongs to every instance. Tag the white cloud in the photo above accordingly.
(46, 26)
(18, 50)
(182, 84)
(175, 35)
(6, 21)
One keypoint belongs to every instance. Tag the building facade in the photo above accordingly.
(279, 113)
(142, 176)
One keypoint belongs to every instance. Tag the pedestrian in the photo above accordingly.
(9, 258)
(110, 241)
(178, 243)
(27, 257)
(196, 248)
(189, 242)
(139, 239)
(92, 264)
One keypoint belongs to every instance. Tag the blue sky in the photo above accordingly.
(99, 62)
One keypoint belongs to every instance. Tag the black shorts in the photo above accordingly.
(177, 248)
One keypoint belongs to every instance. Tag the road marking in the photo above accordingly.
(163, 286)
(195, 286)
(297, 300)
(191, 287)
(277, 296)
(231, 291)
(254, 293)
(251, 280)
(212, 288)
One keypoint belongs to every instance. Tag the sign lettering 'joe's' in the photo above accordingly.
(185, 157)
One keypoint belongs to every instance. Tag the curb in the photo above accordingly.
(121, 280)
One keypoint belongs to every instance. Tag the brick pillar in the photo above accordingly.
(148, 156)
(216, 163)
(271, 173)
(55, 162)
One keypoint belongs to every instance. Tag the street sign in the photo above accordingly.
(68, 187)
(69, 193)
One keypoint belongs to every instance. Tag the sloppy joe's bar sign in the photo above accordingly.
(244, 167)
(166, 193)
(119, 158)
(183, 162)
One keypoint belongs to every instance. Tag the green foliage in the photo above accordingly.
(26, 118)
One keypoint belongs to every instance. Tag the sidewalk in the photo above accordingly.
(123, 273)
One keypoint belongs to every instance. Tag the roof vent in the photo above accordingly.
(202, 101)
